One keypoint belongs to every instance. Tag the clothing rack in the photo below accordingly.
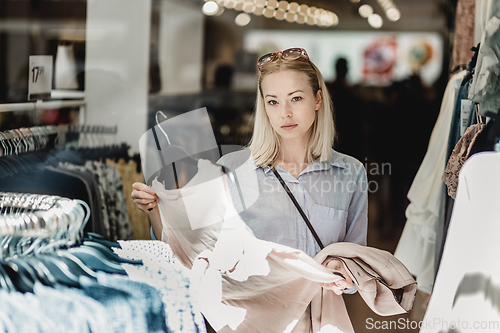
(39, 105)
(96, 129)
(60, 131)
(39, 216)
(60, 99)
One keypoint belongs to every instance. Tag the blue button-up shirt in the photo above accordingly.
(333, 195)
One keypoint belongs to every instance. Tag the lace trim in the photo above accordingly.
(459, 155)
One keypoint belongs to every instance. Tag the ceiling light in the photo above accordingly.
(293, 7)
(317, 16)
(248, 7)
(365, 10)
(355, 1)
(229, 4)
(311, 11)
(210, 8)
(272, 4)
(260, 3)
(323, 18)
(283, 10)
(393, 14)
(335, 19)
(283, 5)
(391, 10)
(301, 18)
(279, 14)
(220, 11)
(385, 3)
(238, 5)
(242, 19)
(375, 21)
(290, 17)
(258, 11)
(269, 12)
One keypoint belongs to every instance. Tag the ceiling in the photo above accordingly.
(416, 15)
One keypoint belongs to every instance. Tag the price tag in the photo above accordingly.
(465, 110)
(40, 77)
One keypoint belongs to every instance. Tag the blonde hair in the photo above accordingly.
(266, 144)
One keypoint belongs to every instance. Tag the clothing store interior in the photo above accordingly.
(97, 96)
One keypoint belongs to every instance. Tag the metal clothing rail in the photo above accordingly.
(97, 129)
(40, 105)
(27, 132)
(39, 215)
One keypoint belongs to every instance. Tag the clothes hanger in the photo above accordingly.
(89, 258)
(42, 272)
(49, 264)
(186, 164)
(93, 259)
(471, 65)
(5, 281)
(109, 254)
(21, 280)
(98, 245)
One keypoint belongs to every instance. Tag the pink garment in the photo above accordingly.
(463, 40)
(244, 284)
(459, 155)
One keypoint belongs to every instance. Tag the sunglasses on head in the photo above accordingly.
(288, 54)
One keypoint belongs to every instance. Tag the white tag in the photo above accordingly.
(40, 77)
(465, 109)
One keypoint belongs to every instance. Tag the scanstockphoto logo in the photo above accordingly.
(346, 179)
(439, 324)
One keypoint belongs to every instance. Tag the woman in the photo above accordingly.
(294, 133)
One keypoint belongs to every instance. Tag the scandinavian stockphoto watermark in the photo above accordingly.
(344, 180)
(433, 324)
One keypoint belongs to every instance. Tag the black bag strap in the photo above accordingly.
(309, 225)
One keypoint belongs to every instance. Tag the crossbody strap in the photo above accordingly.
(309, 225)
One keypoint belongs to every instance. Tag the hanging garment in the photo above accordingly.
(467, 288)
(116, 222)
(460, 154)
(162, 271)
(485, 10)
(462, 107)
(251, 285)
(449, 201)
(485, 87)
(112, 304)
(54, 254)
(417, 245)
(64, 183)
(52, 310)
(101, 208)
(464, 33)
(111, 181)
(138, 220)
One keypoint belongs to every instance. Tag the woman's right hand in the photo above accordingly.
(144, 196)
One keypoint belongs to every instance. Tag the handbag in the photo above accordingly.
(309, 225)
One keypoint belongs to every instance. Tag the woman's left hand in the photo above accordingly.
(339, 285)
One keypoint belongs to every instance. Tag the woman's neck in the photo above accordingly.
(293, 157)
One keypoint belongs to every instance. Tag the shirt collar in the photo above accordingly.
(336, 160)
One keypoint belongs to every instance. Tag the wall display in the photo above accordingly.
(374, 58)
